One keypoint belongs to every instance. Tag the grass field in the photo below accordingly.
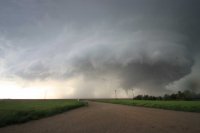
(190, 106)
(18, 111)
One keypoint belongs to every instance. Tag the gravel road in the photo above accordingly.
(111, 118)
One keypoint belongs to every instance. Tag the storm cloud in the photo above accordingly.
(109, 44)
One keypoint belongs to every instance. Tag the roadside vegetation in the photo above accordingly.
(185, 95)
(190, 106)
(18, 111)
(180, 101)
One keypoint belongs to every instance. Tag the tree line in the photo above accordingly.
(185, 95)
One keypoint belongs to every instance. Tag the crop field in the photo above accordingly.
(190, 106)
(18, 111)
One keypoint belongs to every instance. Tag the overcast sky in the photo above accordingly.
(79, 49)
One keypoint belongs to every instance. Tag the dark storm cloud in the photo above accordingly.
(140, 43)
(34, 70)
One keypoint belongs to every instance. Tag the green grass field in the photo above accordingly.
(190, 106)
(18, 111)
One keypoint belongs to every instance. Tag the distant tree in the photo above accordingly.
(185, 95)
(189, 95)
(180, 95)
(173, 96)
(166, 97)
(146, 97)
(139, 97)
(159, 98)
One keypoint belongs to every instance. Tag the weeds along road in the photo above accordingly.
(111, 118)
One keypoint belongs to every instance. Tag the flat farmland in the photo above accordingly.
(189, 106)
(18, 111)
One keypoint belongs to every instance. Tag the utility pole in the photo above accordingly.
(115, 94)
(45, 94)
(133, 95)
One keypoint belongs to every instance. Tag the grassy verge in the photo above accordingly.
(18, 111)
(190, 106)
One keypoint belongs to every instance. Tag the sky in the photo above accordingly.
(90, 48)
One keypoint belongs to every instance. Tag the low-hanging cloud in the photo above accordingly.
(131, 44)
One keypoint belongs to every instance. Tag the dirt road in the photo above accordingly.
(110, 118)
